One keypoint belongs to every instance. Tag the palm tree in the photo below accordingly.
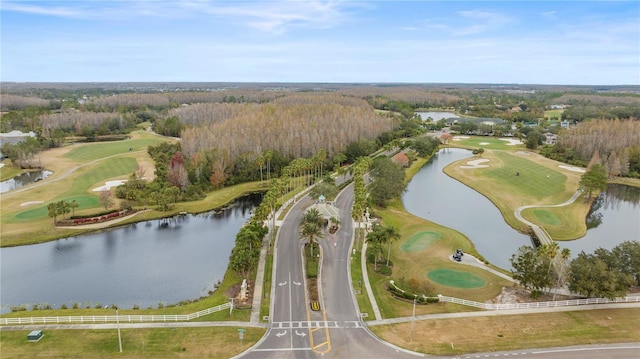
(74, 204)
(391, 234)
(312, 215)
(377, 250)
(310, 231)
(550, 251)
(311, 227)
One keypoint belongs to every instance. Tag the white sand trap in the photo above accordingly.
(108, 185)
(522, 153)
(30, 203)
(512, 141)
(476, 163)
(460, 138)
(574, 169)
(483, 143)
(1, 165)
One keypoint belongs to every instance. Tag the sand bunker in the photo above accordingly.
(483, 143)
(30, 203)
(512, 141)
(460, 138)
(476, 163)
(108, 185)
(574, 169)
(522, 153)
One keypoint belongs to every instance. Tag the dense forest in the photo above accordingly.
(234, 127)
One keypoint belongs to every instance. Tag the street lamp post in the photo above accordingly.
(118, 325)
(413, 318)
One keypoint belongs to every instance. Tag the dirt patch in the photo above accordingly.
(234, 292)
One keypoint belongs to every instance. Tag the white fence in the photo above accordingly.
(88, 319)
(531, 305)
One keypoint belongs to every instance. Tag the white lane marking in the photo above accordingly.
(281, 334)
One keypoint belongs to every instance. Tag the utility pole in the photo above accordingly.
(118, 325)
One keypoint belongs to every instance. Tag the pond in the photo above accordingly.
(433, 195)
(160, 261)
(23, 179)
(436, 115)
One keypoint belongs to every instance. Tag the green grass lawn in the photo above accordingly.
(458, 336)
(553, 114)
(7, 172)
(515, 179)
(95, 151)
(214, 342)
(485, 142)
(80, 189)
(524, 178)
(359, 287)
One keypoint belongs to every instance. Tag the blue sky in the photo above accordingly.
(535, 42)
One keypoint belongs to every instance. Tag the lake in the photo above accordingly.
(160, 261)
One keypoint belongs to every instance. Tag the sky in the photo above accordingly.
(523, 42)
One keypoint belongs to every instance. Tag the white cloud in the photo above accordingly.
(41, 10)
(484, 21)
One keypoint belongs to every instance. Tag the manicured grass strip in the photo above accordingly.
(508, 191)
(210, 342)
(94, 151)
(456, 278)
(524, 177)
(265, 304)
(486, 143)
(497, 333)
(546, 217)
(364, 304)
(420, 241)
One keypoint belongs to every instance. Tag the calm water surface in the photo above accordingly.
(159, 261)
(433, 195)
(23, 180)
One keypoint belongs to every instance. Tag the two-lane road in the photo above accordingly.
(335, 331)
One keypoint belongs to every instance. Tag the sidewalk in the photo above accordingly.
(367, 285)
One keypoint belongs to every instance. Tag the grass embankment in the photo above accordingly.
(7, 171)
(217, 342)
(496, 333)
(514, 179)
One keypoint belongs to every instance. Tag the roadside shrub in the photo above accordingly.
(312, 267)
(384, 270)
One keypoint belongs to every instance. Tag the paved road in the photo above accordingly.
(335, 331)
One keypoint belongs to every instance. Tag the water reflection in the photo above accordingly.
(23, 180)
(139, 264)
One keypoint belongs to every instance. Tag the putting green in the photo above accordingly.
(420, 241)
(454, 278)
(547, 217)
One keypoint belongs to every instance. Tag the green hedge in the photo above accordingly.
(312, 267)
